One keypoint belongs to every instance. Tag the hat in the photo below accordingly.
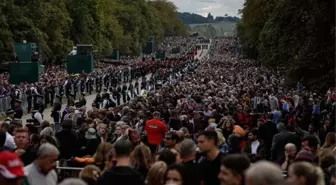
(58, 96)
(18, 101)
(83, 93)
(11, 166)
(304, 155)
(91, 134)
(10, 111)
(72, 95)
(78, 104)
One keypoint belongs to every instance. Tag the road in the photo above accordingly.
(89, 101)
(90, 98)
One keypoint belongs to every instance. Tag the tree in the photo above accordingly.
(106, 24)
(297, 36)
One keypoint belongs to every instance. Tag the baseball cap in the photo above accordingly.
(11, 166)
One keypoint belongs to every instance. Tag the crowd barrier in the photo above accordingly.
(5, 103)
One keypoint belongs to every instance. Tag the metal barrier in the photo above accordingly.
(5, 104)
(67, 172)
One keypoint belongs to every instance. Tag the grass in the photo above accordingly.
(222, 28)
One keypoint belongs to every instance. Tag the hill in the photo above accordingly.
(209, 26)
(191, 18)
(214, 29)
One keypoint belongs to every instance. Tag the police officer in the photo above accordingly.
(18, 109)
(55, 113)
(10, 115)
(82, 100)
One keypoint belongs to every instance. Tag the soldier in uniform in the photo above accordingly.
(10, 115)
(52, 92)
(119, 95)
(55, 113)
(82, 85)
(131, 92)
(82, 100)
(98, 100)
(71, 100)
(75, 85)
(124, 91)
(18, 109)
(29, 94)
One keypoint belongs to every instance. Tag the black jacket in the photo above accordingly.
(121, 175)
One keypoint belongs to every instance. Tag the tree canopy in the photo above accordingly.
(296, 36)
(191, 18)
(108, 25)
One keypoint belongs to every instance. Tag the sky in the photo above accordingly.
(215, 7)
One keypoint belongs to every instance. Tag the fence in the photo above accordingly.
(5, 103)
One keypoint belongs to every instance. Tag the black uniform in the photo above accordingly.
(18, 109)
(55, 113)
(124, 91)
(29, 94)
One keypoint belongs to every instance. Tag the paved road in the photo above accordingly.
(89, 101)
(90, 98)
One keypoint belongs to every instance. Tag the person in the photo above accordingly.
(10, 115)
(18, 111)
(156, 173)
(122, 173)
(41, 171)
(332, 172)
(264, 173)
(90, 174)
(26, 153)
(55, 113)
(9, 141)
(2, 140)
(156, 130)
(254, 147)
(37, 117)
(11, 169)
(193, 175)
(210, 164)
(67, 139)
(232, 169)
(305, 173)
(290, 153)
(82, 100)
(311, 143)
(284, 137)
(175, 175)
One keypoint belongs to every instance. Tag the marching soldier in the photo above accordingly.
(18, 111)
(52, 92)
(130, 92)
(82, 85)
(82, 100)
(55, 113)
(124, 91)
(29, 94)
(119, 95)
(71, 100)
(136, 87)
(98, 100)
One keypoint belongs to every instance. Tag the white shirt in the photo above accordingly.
(9, 142)
(38, 117)
(254, 146)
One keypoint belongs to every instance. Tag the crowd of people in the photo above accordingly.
(220, 120)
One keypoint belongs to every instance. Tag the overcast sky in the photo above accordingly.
(215, 7)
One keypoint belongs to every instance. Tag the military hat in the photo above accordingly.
(18, 101)
(10, 111)
(78, 104)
